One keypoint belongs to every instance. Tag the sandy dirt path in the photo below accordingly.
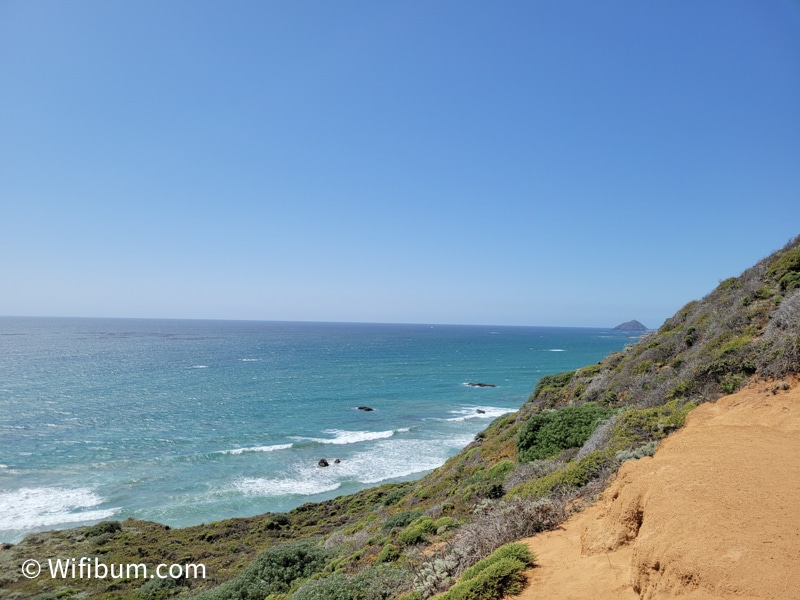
(715, 514)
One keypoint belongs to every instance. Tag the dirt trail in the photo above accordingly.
(715, 514)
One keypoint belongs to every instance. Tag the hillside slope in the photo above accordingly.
(713, 515)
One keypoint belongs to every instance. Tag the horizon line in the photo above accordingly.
(309, 321)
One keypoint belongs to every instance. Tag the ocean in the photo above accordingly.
(185, 422)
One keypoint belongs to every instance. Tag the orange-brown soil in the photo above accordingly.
(715, 514)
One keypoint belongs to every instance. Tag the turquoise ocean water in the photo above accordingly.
(185, 422)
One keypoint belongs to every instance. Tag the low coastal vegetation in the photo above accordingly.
(450, 535)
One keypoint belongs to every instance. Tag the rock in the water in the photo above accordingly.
(480, 411)
(365, 408)
(322, 462)
(337, 461)
(471, 384)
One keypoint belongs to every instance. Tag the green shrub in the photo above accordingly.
(496, 581)
(552, 383)
(273, 571)
(789, 262)
(765, 292)
(394, 496)
(790, 281)
(515, 550)
(417, 532)
(390, 553)
(608, 398)
(648, 449)
(159, 589)
(735, 344)
(494, 577)
(639, 426)
(402, 519)
(575, 474)
(375, 583)
(276, 521)
(590, 370)
(681, 389)
(545, 434)
(501, 469)
(691, 336)
(445, 524)
(411, 536)
(427, 524)
(104, 527)
(731, 382)
(729, 284)
(642, 368)
(729, 364)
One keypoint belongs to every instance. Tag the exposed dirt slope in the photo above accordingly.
(715, 514)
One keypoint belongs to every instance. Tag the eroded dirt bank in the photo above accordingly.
(715, 514)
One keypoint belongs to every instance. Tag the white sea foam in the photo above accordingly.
(387, 459)
(401, 458)
(342, 437)
(257, 449)
(28, 508)
(471, 412)
(250, 359)
(199, 367)
(264, 486)
(556, 350)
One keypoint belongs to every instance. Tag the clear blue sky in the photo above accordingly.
(572, 163)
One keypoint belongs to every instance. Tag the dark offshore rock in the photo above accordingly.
(365, 408)
(322, 462)
(480, 411)
(471, 384)
(337, 461)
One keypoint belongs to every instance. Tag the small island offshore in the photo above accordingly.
(634, 326)
(593, 489)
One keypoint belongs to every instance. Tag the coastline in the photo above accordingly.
(218, 438)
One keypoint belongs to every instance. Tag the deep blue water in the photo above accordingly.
(185, 422)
